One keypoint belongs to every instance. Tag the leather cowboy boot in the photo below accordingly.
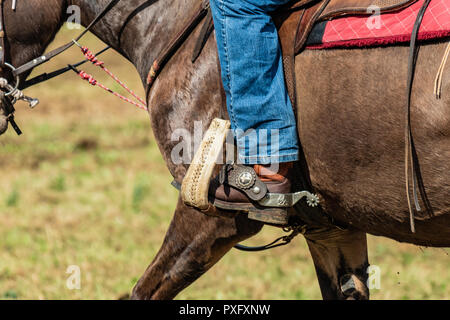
(237, 190)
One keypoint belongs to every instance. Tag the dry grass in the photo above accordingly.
(86, 186)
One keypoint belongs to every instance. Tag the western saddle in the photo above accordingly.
(296, 21)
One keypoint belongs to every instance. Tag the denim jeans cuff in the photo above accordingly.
(268, 159)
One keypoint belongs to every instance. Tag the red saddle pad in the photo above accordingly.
(384, 29)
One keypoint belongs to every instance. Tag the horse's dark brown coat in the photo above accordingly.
(3, 122)
(352, 132)
(350, 122)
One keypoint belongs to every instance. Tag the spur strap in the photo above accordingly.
(243, 178)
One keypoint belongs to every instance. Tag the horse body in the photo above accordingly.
(351, 130)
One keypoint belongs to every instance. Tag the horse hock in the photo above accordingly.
(341, 262)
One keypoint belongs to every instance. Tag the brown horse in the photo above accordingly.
(351, 117)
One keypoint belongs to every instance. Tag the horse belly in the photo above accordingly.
(351, 107)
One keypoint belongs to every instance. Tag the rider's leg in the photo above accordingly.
(258, 103)
(252, 73)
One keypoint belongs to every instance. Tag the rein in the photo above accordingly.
(47, 57)
(155, 69)
(47, 76)
(141, 104)
(14, 93)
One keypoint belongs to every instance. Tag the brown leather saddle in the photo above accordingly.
(296, 21)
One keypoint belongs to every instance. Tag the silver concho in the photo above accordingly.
(245, 180)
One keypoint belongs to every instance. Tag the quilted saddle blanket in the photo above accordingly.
(382, 29)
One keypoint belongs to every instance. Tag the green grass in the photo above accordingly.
(13, 198)
(86, 185)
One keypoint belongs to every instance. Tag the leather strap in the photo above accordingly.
(307, 21)
(286, 22)
(2, 35)
(207, 29)
(47, 57)
(9, 112)
(42, 59)
(243, 178)
(339, 8)
(47, 76)
(175, 44)
(413, 174)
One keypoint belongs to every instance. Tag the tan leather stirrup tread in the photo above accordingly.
(194, 190)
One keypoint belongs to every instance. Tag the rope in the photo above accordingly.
(438, 81)
(89, 78)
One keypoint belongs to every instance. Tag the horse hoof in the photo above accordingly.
(353, 288)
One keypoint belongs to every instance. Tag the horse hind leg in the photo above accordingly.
(341, 261)
(192, 245)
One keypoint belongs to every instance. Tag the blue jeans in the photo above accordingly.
(258, 103)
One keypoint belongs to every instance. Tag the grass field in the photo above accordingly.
(85, 185)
